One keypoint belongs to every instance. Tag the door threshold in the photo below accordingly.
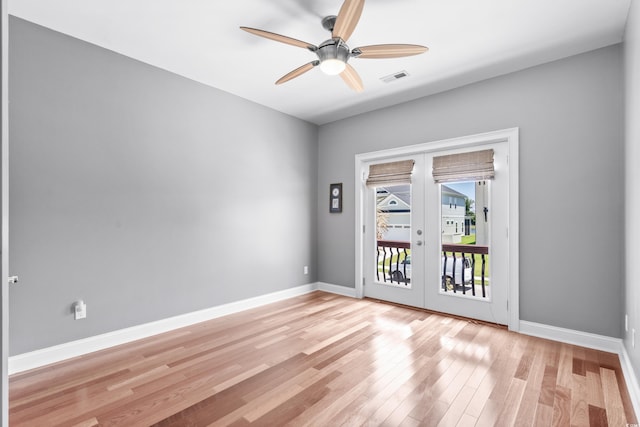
(440, 313)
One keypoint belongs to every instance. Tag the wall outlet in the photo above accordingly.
(306, 269)
(79, 310)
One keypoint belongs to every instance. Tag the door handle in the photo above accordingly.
(419, 242)
(13, 279)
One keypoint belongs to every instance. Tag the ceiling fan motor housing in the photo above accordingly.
(333, 49)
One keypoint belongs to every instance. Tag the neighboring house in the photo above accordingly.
(395, 203)
(453, 213)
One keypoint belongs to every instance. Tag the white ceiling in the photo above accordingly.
(469, 40)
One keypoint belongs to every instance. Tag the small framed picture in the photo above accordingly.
(335, 198)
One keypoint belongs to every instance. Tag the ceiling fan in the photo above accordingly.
(334, 53)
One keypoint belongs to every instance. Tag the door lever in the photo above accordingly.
(13, 279)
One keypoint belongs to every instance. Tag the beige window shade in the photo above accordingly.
(393, 173)
(473, 166)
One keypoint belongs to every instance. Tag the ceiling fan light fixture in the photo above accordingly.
(333, 55)
(332, 67)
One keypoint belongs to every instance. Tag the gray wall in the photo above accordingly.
(570, 115)
(632, 157)
(146, 194)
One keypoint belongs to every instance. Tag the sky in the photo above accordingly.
(467, 188)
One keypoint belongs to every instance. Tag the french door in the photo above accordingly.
(395, 240)
(440, 246)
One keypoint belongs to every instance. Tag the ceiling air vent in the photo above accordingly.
(395, 76)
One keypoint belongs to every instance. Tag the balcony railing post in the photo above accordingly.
(453, 272)
(464, 288)
(404, 267)
(444, 272)
(484, 295)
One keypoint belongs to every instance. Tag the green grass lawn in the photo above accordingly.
(468, 240)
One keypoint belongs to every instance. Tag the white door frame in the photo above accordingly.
(511, 137)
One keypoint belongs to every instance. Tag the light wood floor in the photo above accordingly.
(326, 360)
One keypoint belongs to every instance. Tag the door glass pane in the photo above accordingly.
(464, 224)
(393, 234)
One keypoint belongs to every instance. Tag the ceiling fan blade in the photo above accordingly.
(352, 79)
(388, 50)
(280, 38)
(348, 18)
(298, 72)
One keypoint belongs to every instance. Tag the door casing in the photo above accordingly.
(511, 137)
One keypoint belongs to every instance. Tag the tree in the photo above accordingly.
(468, 212)
(382, 222)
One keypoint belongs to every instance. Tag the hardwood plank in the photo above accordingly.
(81, 405)
(490, 413)
(324, 360)
(346, 391)
(526, 412)
(595, 396)
(88, 423)
(544, 415)
(291, 408)
(455, 413)
(579, 398)
(526, 361)
(512, 402)
(411, 422)
(612, 400)
(565, 367)
(466, 421)
(597, 416)
(435, 414)
(548, 390)
(562, 407)
(332, 339)
(579, 367)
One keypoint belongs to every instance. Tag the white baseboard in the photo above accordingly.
(596, 342)
(631, 379)
(46, 356)
(570, 336)
(336, 289)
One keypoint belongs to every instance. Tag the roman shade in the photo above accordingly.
(470, 166)
(393, 173)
